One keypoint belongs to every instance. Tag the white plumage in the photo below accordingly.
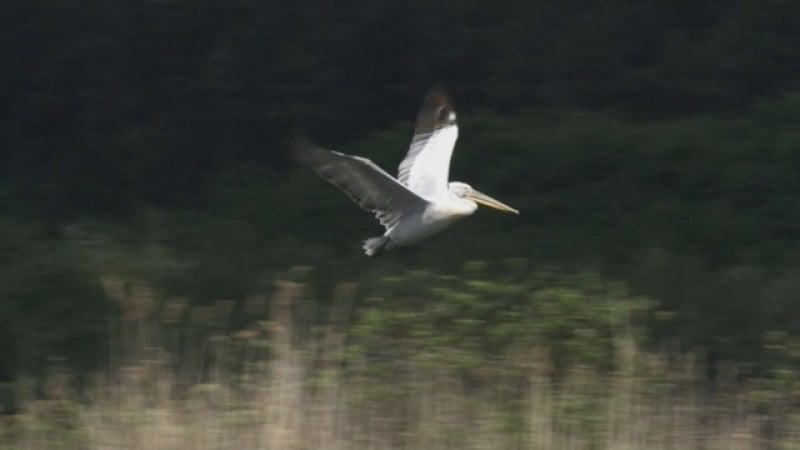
(420, 201)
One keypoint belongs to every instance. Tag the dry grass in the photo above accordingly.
(266, 388)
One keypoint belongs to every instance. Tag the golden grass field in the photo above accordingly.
(275, 386)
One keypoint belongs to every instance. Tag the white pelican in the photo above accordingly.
(420, 201)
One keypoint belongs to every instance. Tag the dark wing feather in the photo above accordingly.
(363, 181)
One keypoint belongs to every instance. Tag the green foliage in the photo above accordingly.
(482, 316)
(51, 305)
(652, 143)
(101, 123)
(699, 213)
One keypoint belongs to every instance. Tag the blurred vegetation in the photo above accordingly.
(481, 317)
(564, 369)
(655, 144)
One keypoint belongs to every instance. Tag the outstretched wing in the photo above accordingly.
(426, 167)
(365, 183)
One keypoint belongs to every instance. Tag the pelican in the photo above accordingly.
(419, 202)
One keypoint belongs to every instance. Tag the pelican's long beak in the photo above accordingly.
(485, 200)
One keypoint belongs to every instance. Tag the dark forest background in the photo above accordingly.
(652, 142)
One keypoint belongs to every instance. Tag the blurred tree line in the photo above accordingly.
(113, 105)
(653, 141)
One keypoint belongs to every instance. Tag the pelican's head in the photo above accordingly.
(465, 191)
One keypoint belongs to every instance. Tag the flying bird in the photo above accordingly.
(420, 201)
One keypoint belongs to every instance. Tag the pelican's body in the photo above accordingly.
(419, 202)
(435, 217)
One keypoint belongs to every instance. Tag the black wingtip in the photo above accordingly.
(436, 112)
(300, 147)
(437, 97)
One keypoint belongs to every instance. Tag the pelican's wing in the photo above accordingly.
(364, 182)
(425, 169)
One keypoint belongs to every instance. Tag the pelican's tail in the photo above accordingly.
(375, 246)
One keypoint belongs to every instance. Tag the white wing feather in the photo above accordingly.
(426, 168)
(363, 181)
